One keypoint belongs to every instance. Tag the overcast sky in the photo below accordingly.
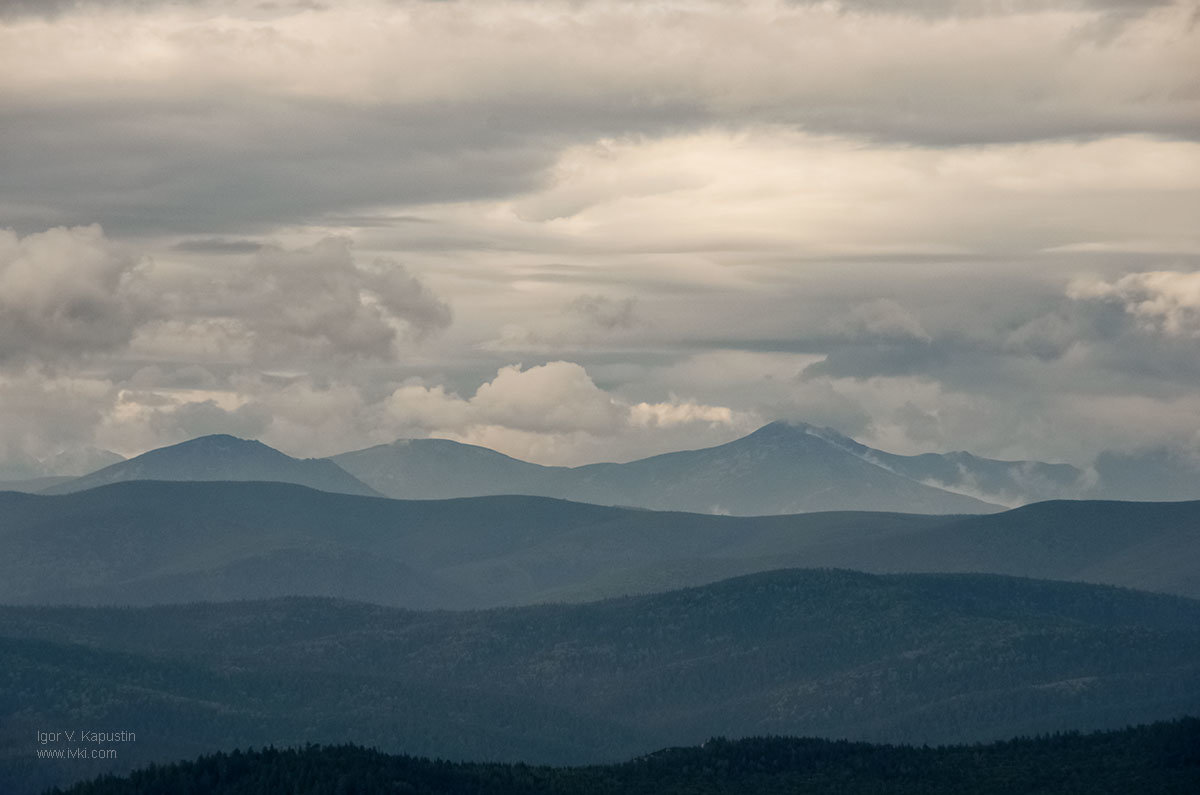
(593, 230)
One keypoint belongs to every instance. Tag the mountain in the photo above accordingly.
(901, 658)
(221, 457)
(437, 469)
(1161, 758)
(1004, 482)
(778, 469)
(146, 542)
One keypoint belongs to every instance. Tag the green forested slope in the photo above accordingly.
(932, 658)
(148, 542)
(1163, 759)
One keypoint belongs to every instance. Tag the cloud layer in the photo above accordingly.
(600, 229)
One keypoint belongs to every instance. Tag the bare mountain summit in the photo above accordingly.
(222, 457)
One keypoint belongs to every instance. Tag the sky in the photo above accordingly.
(593, 230)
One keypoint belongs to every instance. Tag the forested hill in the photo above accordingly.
(898, 658)
(156, 542)
(1162, 759)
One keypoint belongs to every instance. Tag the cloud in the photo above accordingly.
(1162, 302)
(67, 293)
(553, 397)
(690, 202)
(286, 112)
(774, 199)
(665, 415)
(46, 414)
(555, 413)
(938, 9)
(604, 312)
(585, 321)
(218, 245)
(316, 303)
(557, 396)
(205, 417)
(882, 319)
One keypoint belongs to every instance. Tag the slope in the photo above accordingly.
(1160, 758)
(153, 542)
(913, 658)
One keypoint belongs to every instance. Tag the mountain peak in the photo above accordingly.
(216, 440)
(782, 428)
(223, 457)
(782, 431)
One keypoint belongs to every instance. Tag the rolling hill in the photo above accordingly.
(152, 542)
(900, 658)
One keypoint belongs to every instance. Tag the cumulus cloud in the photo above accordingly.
(67, 292)
(316, 303)
(665, 415)
(553, 413)
(320, 296)
(1164, 302)
(553, 397)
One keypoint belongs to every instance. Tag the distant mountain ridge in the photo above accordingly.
(221, 457)
(1009, 483)
(781, 468)
(155, 542)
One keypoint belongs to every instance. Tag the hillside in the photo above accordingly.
(1161, 758)
(221, 458)
(912, 658)
(150, 542)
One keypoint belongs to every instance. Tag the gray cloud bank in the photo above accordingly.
(232, 116)
(583, 230)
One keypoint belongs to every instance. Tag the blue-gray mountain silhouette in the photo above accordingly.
(779, 469)
(221, 457)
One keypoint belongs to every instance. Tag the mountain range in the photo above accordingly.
(778, 469)
(146, 542)
(781, 468)
(900, 658)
